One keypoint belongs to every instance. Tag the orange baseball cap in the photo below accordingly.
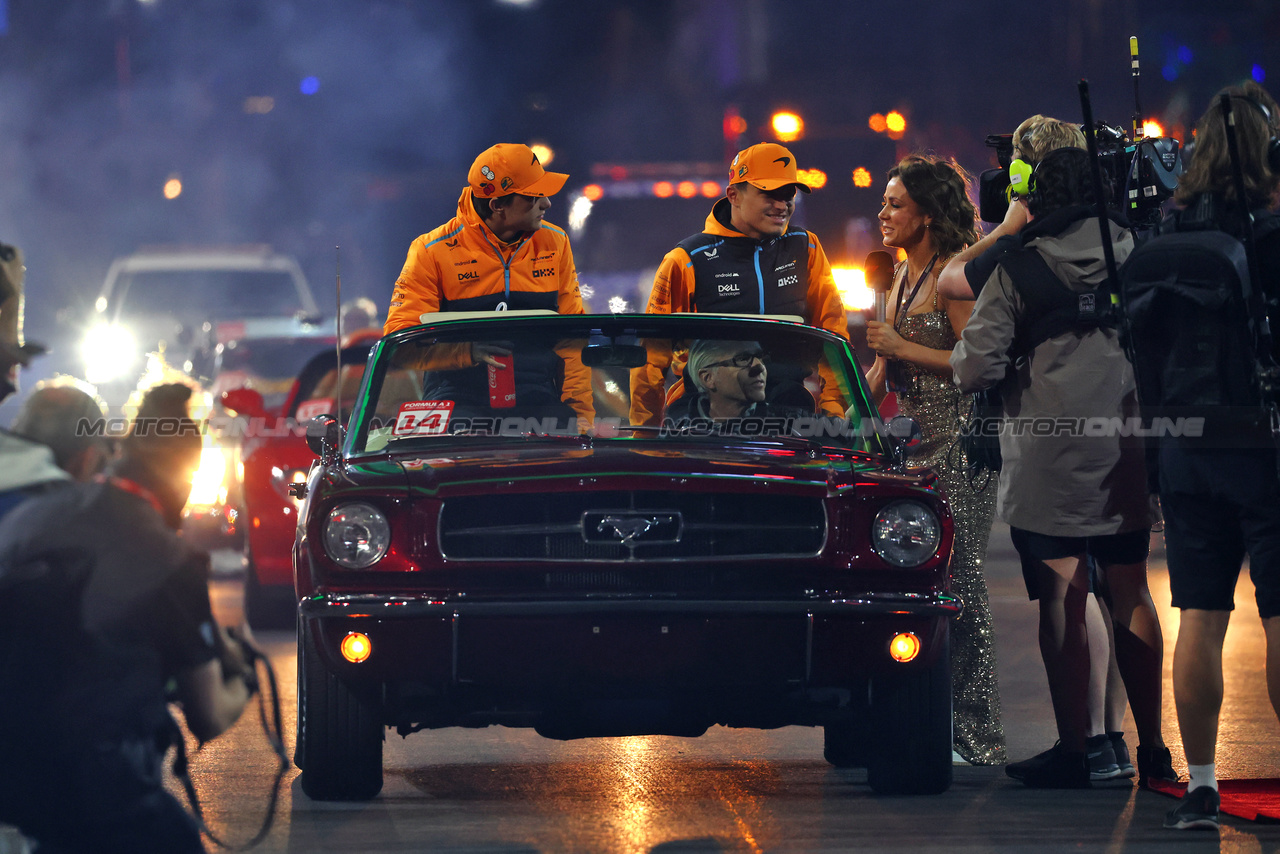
(508, 168)
(765, 166)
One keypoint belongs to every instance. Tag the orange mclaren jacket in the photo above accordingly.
(722, 270)
(462, 266)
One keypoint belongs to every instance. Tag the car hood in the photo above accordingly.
(468, 470)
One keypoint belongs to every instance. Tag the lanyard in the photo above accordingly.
(897, 313)
(132, 486)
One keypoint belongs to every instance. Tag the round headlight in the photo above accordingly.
(356, 536)
(905, 533)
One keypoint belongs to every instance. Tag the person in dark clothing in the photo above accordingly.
(114, 610)
(1221, 503)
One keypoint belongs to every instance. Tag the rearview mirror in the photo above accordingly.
(624, 351)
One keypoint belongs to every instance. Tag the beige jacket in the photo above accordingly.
(1069, 467)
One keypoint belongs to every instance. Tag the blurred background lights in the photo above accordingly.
(580, 209)
(618, 305)
(173, 187)
(686, 189)
(877, 123)
(1257, 73)
(309, 85)
(861, 177)
(851, 282)
(787, 126)
(544, 152)
(593, 192)
(260, 104)
(663, 189)
(710, 189)
(517, 2)
(814, 178)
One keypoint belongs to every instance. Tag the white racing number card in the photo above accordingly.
(422, 418)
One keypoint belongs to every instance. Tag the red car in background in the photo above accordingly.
(274, 456)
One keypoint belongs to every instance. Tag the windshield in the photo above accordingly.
(208, 294)
(632, 377)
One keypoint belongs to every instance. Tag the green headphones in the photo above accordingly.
(1020, 183)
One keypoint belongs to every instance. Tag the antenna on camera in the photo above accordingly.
(337, 327)
(1137, 101)
(1104, 224)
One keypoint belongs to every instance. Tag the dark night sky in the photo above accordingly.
(101, 100)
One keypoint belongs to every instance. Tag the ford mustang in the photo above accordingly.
(491, 539)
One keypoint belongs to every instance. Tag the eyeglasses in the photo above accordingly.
(740, 360)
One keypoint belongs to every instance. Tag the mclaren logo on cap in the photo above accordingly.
(785, 161)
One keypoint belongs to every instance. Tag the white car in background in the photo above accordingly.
(182, 302)
(219, 316)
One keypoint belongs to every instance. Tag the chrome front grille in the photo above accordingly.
(630, 526)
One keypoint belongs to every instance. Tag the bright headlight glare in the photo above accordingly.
(906, 533)
(209, 485)
(109, 352)
(356, 535)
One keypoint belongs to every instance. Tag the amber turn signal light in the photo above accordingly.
(904, 647)
(356, 647)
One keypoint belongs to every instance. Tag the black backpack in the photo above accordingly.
(1191, 322)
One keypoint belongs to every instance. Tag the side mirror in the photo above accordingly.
(904, 438)
(245, 401)
(324, 436)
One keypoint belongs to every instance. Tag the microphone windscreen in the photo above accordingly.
(879, 270)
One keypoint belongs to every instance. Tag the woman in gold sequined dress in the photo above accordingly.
(928, 215)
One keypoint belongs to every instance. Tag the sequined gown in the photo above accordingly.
(934, 402)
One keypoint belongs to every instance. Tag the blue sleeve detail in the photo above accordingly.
(444, 236)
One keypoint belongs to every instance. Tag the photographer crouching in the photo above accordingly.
(109, 619)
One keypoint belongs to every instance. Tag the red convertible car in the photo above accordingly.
(476, 548)
(273, 457)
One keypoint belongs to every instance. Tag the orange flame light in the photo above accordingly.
(862, 177)
(787, 127)
(1152, 129)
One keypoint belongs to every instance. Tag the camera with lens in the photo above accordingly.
(1141, 175)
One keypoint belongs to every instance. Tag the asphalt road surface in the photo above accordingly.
(509, 790)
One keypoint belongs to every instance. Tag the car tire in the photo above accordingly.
(339, 735)
(844, 745)
(910, 750)
(264, 607)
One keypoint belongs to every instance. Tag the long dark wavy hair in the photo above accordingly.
(941, 189)
(1210, 167)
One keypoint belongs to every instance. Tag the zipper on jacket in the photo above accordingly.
(506, 263)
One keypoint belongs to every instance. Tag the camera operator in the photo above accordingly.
(1072, 498)
(113, 611)
(1221, 503)
(1034, 138)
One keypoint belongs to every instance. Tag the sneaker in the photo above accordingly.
(1198, 810)
(1056, 768)
(1121, 750)
(1102, 758)
(1018, 770)
(1155, 764)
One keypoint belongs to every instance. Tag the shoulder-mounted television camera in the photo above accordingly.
(1141, 175)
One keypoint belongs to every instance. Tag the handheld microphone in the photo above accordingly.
(879, 272)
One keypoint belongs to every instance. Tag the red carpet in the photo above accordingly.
(1253, 800)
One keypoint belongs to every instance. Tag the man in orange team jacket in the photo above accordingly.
(748, 259)
(497, 254)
